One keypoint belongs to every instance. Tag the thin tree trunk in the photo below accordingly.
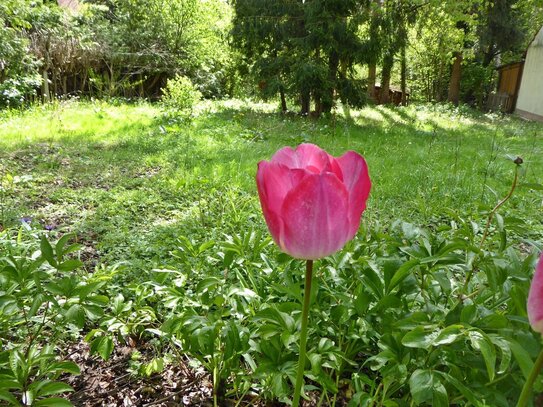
(283, 100)
(142, 90)
(374, 39)
(328, 99)
(454, 84)
(372, 78)
(83, 82)
(45, 86)
(403, 77)
(55, 80)
(346, 107)
(388, 62)
(305, 101)
(318, 105)
(65, 85)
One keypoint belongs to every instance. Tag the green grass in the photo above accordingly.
(403, 313)
(129, 182)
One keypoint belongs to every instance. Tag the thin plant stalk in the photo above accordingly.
(518, 161)
(527, 389)
(493, 212)
(303, 334)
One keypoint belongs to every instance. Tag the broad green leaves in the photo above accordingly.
(42, 294)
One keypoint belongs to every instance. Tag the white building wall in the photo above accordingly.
(530, 97)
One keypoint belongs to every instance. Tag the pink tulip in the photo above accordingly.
(312, 202)
(535, 299)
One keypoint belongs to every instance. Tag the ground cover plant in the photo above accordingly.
(419, 309)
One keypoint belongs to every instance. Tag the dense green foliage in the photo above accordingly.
(44, 302)
(302, 49)
(167, 214)
(133, 230)
(112, 48)
(310, 53)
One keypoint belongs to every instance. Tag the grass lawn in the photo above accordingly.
(416, 309)
(128, 181)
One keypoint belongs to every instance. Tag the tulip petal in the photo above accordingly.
(357, 181)
(307, 156)
(315, 218)
(274, 181)
(535, 298)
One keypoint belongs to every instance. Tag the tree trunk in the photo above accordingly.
(83, 82)
(45, 86)
(454, 84)
(142, 89)
(305, 100)
(283, 100)
(328, 99)
(388, 62)
(372, 77)
(65, 85)
(55, 80)
(345, 104)
(403, 77)
(46, 93)
(318, 105)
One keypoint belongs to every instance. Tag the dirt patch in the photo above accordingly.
(108, 383)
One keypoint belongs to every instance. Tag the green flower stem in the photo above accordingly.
(489, 221)
(527, 389)
(303, 333)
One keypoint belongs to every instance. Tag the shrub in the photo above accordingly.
(180, 95)
(15, 92)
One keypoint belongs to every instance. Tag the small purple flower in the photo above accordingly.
(49, 227)
(26, 220)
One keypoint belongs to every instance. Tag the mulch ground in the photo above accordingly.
(107, 383)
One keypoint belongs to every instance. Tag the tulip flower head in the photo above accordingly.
(535, 299)
(312, 202)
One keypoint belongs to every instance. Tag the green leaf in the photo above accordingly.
(47, 251)
(492, 321)
(505, 351)
(205, 246)
(481, 342)
(156, 365)
(37, 302)
(208, 283)
(71, 248)
(103, 345)
(53, 402)
(82, 291)
(419, 338)
(388, 302)
(426, 387)
(54, 288)
(402, 273)
(59, 247)
(7, 396)
(449, 335)
(76, 315)
(389, 267)
(9, 384)
(232, 343)
(522, 357)
(51, 388)
(65, 367)
(98, 299)
(69, 265)
(93, 311)
(466, 392)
